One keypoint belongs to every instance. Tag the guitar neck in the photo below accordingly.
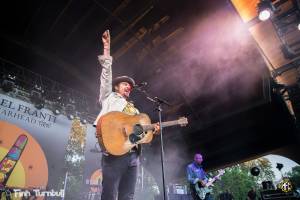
(163, 124)
(214, 179)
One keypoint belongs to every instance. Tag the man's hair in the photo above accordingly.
(198, 153)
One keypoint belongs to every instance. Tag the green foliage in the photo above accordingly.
(294, 176)
(238, 180)
(74, 161)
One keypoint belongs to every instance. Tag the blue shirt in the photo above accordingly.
(195, 173)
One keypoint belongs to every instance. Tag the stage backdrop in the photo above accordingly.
(32, 145)
(92, 171)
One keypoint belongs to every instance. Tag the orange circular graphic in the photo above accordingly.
(96, 180)
(23, 164)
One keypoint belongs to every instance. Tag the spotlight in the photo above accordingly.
(83, 121)
(71, 117)
(70, 111)
(264, 15)
(56, 112)
(299, 26)
(57, 105)
(56, 108)
(83, 117)
(8, 83)
(36, 97)
(265, 9)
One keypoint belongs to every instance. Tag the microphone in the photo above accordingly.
(140, 85)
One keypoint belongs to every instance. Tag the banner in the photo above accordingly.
(92, 173)
(32, 146)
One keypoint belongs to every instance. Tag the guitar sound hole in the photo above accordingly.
(137, 134)
(138, 129)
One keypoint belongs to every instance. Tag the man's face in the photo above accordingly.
(123, 89)
(198, 159)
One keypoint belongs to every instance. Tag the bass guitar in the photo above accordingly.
(202, 190)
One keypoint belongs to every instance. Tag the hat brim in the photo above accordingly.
(121, 79)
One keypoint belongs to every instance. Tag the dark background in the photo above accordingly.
(197, 55)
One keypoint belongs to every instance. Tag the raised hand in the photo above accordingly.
(106, 39)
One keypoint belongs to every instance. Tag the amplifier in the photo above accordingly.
(178, 189)
(180, 197)
(277, 194)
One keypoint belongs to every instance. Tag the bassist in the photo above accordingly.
(197, 175)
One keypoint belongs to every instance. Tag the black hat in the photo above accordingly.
(120, 79)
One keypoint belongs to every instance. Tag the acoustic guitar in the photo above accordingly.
(118, 132)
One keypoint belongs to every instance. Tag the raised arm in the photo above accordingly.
(106, 62)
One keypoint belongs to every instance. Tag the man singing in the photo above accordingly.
(197, 175)
(119, 172)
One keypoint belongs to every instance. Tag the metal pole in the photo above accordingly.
(142, 178)
(162, 153)
(65, 185)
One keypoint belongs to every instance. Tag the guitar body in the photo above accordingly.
(202, 191)
(114, 129)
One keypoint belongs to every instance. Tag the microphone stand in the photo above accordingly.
(158, 103)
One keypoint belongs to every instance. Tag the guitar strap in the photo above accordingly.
(132, 110)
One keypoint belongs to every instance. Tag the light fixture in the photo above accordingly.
(83, 117)
(36, 97)
(83, 121)
(8, 83)
(56, 108)
(265, 9)
(264, 15)
(70, 111)
(57, 105)
(71, 117)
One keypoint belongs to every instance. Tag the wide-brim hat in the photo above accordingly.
(120, 79)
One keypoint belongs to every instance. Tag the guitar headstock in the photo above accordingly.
(182, 121)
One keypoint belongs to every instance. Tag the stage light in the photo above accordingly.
(70, 111)
(264, 15)
(83, 121)
(56, 112)
(83, 117)
(56, 108)
(36, 97)
(57, 105)
(265, 9)
(71, 117)
(299, 26)
(8, 83)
